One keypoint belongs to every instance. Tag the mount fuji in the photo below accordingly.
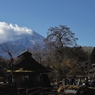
(20, 43)
(14, 38)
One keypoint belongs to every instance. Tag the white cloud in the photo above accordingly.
(7, 31)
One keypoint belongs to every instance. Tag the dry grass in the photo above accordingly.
(69, 87)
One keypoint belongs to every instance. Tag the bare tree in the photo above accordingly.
(57, 40)
(38, 52)
(58, 37)
(9, 49)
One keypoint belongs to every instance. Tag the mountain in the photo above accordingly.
(18, 43)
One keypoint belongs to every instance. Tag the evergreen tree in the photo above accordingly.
(93, 55)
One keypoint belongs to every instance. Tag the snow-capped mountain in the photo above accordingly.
(21, 42)
(27, 40)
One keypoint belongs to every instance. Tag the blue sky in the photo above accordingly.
(40, 15)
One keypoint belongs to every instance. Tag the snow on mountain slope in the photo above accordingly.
(27, 39)
(22, 42)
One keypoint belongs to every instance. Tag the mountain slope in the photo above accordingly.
(19, 43)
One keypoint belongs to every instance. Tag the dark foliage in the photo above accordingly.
(93, 55)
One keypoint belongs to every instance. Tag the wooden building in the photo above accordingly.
(29, 73)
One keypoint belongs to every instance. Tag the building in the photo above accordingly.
(29, 73)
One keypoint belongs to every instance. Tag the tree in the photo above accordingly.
(88, 50)
(59, 37)
(38, 52)
(3, 65)
(73, 61)
(78, 53)
(93, 55)
(9, 49)
(58, 42)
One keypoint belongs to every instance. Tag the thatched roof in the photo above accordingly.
(26, 62)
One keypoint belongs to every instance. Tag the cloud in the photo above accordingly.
(8, 31)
